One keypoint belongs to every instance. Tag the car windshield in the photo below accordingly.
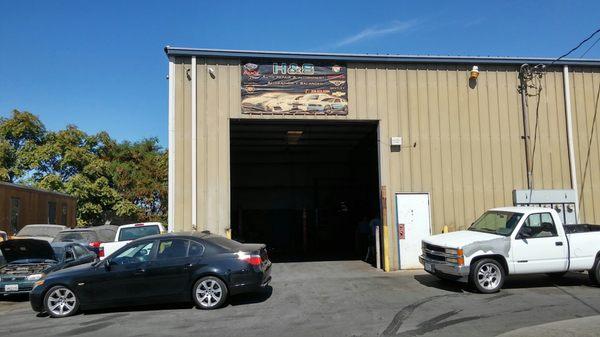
(132, 233)
(49, 231)
(83, 236)
(496, 222)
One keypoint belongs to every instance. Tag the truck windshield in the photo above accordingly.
(132, 233)
(496, 222)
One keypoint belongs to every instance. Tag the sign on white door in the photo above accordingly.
(413, 225)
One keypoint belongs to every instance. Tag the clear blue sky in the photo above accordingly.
(100, 64)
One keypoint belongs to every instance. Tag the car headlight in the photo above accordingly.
(451, 260)
(451, 251)
(34, 277)
(38, 283)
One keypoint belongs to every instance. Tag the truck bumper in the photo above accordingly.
(445, 270)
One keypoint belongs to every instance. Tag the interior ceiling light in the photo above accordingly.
(293, 136)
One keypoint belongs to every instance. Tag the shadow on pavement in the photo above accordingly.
(512, 282)
(14, 298)
(251, 298)
(436, 282)
(543, 280)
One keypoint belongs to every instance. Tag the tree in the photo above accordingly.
(112, 181)
(19, 134)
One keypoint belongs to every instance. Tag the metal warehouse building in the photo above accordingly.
(298, 150)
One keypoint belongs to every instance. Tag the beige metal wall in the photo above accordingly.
(585, 95)
(469, 152)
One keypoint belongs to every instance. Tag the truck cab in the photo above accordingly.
(512, 240)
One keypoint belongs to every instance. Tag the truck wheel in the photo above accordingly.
(209, 293)
(594, 273)
(487, 276)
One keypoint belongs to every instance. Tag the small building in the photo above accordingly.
(22, 205)
(306, 151)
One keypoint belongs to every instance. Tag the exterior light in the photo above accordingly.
(474, 73)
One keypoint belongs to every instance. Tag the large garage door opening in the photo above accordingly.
(309, 190)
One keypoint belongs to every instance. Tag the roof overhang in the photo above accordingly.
(374, 58)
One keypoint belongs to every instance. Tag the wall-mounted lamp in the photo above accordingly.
(211, 72)
(474, 73)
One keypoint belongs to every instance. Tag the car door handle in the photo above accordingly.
(558, 243)
(187, 266)
(140, 271)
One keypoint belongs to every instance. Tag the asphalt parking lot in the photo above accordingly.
(347, 298)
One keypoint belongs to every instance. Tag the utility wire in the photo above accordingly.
(576, 47)
(592, 46)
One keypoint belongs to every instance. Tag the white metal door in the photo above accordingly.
(413, 225)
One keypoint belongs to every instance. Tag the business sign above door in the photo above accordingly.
(294, 88)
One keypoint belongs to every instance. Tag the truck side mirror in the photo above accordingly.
(106, 264)
(525, 233)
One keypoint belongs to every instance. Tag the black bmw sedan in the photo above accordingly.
(197, 266)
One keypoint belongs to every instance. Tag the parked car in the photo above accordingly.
(90, 237)
(194, 266)
(28, 260)
(45, 232)
(510, 241)
(127, 233)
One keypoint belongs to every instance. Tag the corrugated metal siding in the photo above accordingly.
(469, 152)
(585, 95)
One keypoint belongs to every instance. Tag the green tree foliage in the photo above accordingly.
(116, 181)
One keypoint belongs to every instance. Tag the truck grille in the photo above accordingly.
(434, 252)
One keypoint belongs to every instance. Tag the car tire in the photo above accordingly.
(594, 273)
(209, 293)
(487, 276)
(61, 301)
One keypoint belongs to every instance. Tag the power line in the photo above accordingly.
(592, 46)
(577, 47)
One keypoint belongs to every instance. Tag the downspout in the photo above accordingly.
(194, 144)
(572, 167)
(171, 188)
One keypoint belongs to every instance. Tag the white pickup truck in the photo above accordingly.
(513, 240)
(127, 233)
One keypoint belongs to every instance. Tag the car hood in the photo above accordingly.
(23, 249)
(43, 238)
(460, 239)
(79, 269)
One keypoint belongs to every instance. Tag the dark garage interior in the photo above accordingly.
(306, 189)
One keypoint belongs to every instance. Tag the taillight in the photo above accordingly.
(95, 244)
(101, 252)
(254, 260)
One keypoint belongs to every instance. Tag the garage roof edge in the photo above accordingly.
(373, 58)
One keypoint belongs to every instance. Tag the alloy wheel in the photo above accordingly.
(489, 276)
(209, 293)
(62, 302)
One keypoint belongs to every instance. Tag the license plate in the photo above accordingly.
(428, 267)
(11, 287)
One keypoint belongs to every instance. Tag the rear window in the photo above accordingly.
(83, 236)
(224, 242)
(132, 233)
(49, 231)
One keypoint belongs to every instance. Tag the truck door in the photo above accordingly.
(538, 248)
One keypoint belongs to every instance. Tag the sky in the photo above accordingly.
(101, 66)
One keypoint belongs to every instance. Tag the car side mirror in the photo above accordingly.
(107, 265)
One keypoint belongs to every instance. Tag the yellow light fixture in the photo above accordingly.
(474, 73)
